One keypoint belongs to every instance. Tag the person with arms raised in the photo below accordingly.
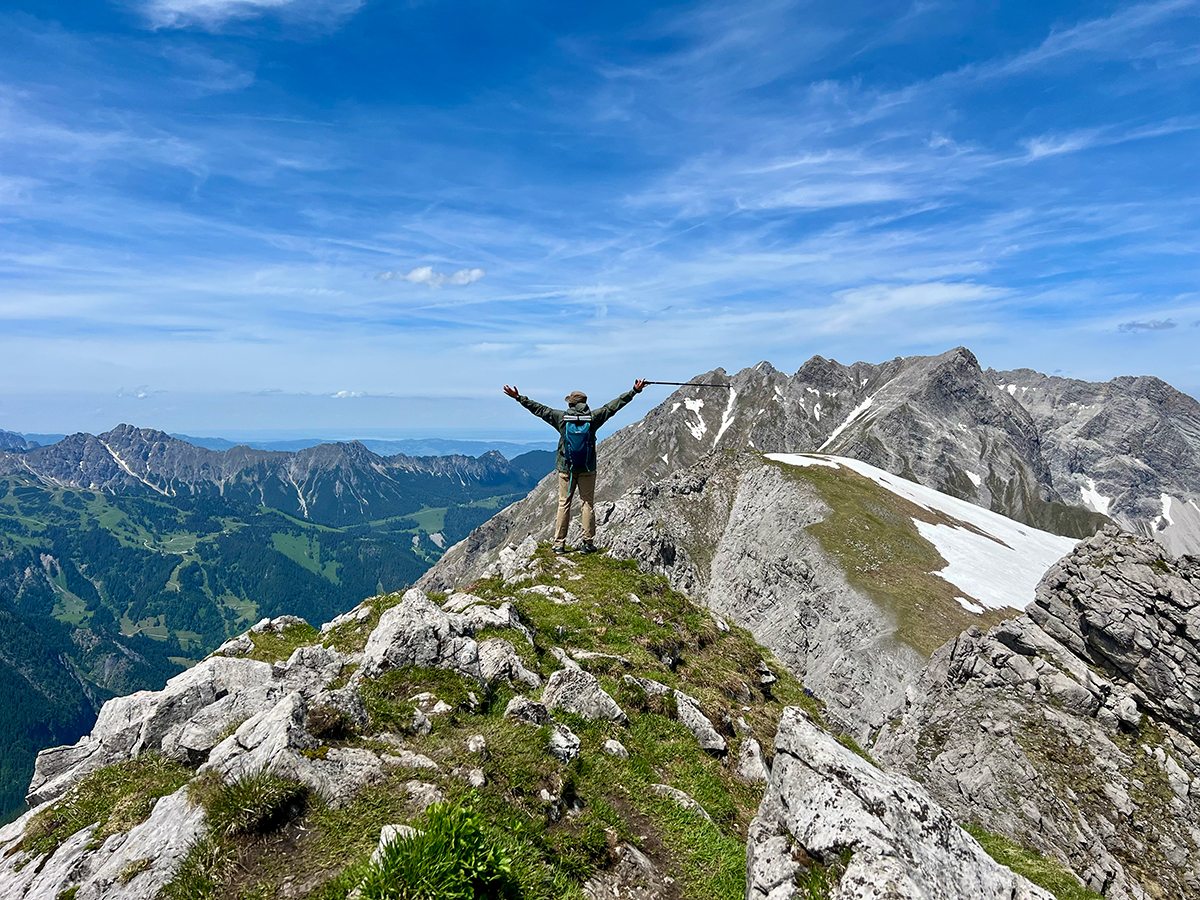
(576, 460)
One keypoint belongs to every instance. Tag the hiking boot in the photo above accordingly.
(559, 551)
(588, 547)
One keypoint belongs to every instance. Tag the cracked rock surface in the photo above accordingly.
(827, 806)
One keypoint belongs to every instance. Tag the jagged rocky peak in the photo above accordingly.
(939, 420)
(1072, 729)
(1128, 448)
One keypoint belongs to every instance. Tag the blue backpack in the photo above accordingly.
(580, 443)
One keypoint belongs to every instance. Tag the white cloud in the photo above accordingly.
(345, 395)
(214, 13)
(426, 275)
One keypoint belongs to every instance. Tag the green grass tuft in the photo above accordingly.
(871, 534)
(273, 646)
(256, 804)
(451, 857)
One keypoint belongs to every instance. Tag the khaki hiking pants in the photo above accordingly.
(585, 484)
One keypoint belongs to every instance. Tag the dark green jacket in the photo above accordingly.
(556, 418)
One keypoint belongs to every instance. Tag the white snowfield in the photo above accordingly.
(999, 571)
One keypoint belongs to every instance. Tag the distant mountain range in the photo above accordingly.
(331, 484)
(434, 446)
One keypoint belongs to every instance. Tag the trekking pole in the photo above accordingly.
(692, 383)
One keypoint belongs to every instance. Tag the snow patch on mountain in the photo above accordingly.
(854, 414)
(996, 561)
(727, 416)
(1093, 499)
(1178, 528)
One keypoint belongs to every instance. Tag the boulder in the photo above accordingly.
(616, 748)
(752, 767)
(528, 711)
(564, 744)
(579, 692)
(416, 632)
(681, 798)
(498, 660)
(698, 724)
(481, 616)
(687, 711)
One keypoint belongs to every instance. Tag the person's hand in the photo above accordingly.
(512, 391)
(638, 385)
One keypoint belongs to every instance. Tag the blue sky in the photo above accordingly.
(344, 217)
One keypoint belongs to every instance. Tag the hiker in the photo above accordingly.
(576, 462)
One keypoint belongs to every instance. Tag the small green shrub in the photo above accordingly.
(271, 646)
(451, 858)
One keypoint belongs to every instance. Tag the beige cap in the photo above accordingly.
(576, 397)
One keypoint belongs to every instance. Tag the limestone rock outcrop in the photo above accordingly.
(1072, 729)
(418, 632)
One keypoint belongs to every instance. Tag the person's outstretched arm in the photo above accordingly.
(552, 417)
(609, 409)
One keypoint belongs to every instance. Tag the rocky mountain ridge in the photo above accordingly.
(635, 773)
(12, 442)
(844, 575)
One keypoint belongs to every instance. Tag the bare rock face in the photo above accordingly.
(498, 660)
(1129, 448)
(827, 806)
(579, 692)
(633, 877)
(417, 632)
(752, 768)
(1073, 729)
(731, 531)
